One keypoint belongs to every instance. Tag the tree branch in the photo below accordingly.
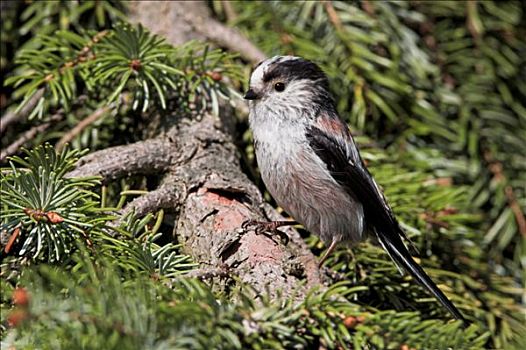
(11, 117)
(496, 168)
(145, 157)
(81, 126)
(180, 21)
(230, 13)
(26, 136)
(167, 195)
(333, 16)
(226, 37)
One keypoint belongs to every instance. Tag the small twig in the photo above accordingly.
(516, 208)
(473, 21)
(230, 13)
(81, 126)
(26, 136)
(368, 7)
(495, 167)
(11, 117)
(333, 16)
(12, 239)
(167, 195)
(432, 220)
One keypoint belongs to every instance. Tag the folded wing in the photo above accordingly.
(332, 142)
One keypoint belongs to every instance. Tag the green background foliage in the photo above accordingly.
(433, 91)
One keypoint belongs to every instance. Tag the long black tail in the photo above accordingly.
(399, 253)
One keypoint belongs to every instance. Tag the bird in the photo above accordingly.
(312, 167)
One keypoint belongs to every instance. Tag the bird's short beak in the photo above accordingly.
(251, 95)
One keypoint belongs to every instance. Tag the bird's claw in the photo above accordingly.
(258, 226)
(266, 227)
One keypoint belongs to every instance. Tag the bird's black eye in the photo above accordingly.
(279, 87)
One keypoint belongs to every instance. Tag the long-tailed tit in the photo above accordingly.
(311, 164)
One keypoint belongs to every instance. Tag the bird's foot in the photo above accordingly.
(328, 252)
(268, 227)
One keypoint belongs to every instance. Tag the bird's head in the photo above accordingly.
(285, 84)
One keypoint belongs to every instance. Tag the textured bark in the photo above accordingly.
(166, 196)
(142, 158)
(205, 187)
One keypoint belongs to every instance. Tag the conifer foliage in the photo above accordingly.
(433, 91)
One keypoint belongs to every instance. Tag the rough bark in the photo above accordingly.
(204, 184)
(142, 158)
